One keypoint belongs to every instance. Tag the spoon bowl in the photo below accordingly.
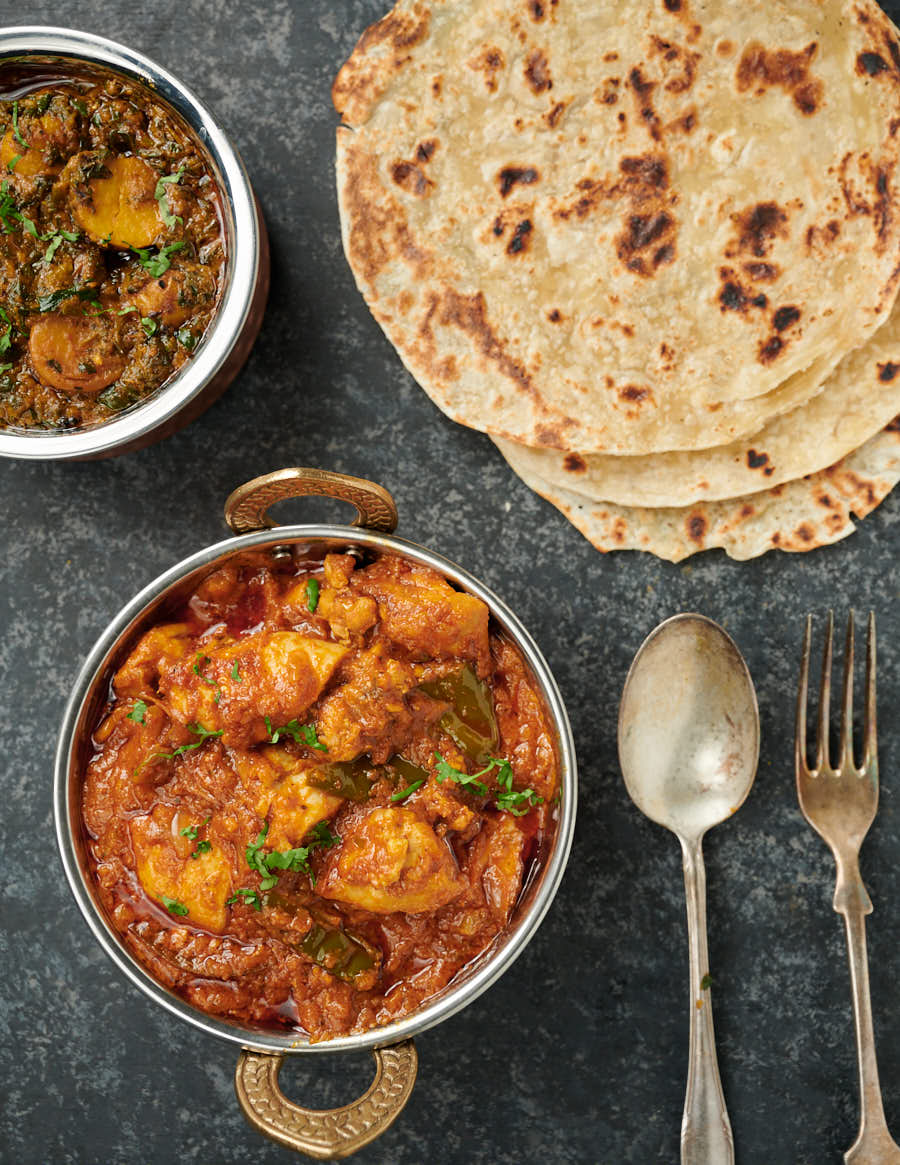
(688, 747)
(688, 726)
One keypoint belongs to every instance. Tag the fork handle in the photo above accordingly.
(706, 1137)
(873, 1145)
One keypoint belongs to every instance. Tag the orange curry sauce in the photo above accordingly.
(299, 812)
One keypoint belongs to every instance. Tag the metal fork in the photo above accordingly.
(840, 803)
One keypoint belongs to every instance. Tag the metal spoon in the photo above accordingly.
(688, 747)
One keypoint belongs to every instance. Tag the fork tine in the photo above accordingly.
(823, 759)
(802, 692)
(846, 742)
(870, 731)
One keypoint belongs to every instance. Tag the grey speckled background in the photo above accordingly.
(579, 1053)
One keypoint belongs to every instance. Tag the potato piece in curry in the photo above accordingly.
(317, 790)
(112, 251)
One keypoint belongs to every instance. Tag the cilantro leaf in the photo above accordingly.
(173, 905)
(6, 338)
(159, 263)
(160, 195)
(294, 860)
(13, 162)
(510, 800)
(302, 734)
(250, 897)
(150, 326)
(198, 730)
(446, 772)
(52, 300)
(312, 593)
(16, 132)
(138, 712)
(411, 788)
(235, 673)
(52, 249)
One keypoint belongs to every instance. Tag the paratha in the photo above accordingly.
(796, 516)
(860, 397)
(621, 226)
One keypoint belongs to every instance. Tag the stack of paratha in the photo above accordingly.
(651, 246)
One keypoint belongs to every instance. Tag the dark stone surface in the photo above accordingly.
(579, 1053)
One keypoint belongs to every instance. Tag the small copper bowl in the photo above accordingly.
(238, 317)
(338, 1132)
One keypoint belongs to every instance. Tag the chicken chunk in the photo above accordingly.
(420, 611)
(166, 869)
(348, 614)
(234, 685)
(390, 859)
(139, 674)
(295, 807)
(496, 859)
(369, 711)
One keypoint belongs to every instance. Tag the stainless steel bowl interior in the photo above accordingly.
(90, 692)
(67, 47)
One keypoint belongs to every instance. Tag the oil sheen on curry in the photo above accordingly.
(316, 793)
(111, 251)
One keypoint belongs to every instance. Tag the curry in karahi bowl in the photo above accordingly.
(315, 786)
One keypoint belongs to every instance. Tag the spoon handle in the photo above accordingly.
(705, 1128)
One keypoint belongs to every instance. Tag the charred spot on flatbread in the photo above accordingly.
(760, 69)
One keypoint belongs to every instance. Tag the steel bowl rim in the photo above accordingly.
(452, 999)
(242, 224)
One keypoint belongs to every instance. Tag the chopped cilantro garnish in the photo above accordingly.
(13, 162)
(138, 712)
(411, 788)
(150, 326)
(198, 730)
(515, 801)
(302, 734)
(706, 982)
(235, 673)
(294, 860)
(251, 898)
(446, 772)
(16, 132)
(173, 905)
(160, 195)
(6, 337)
(191, 832)
(159, 263)
(52, 300)
(312, 593)
(200, 661)
(186, 338)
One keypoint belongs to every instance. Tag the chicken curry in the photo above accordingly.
(317, 790)
(112, 251)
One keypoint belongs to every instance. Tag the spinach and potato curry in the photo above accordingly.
(317, 790)
(112, 251)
